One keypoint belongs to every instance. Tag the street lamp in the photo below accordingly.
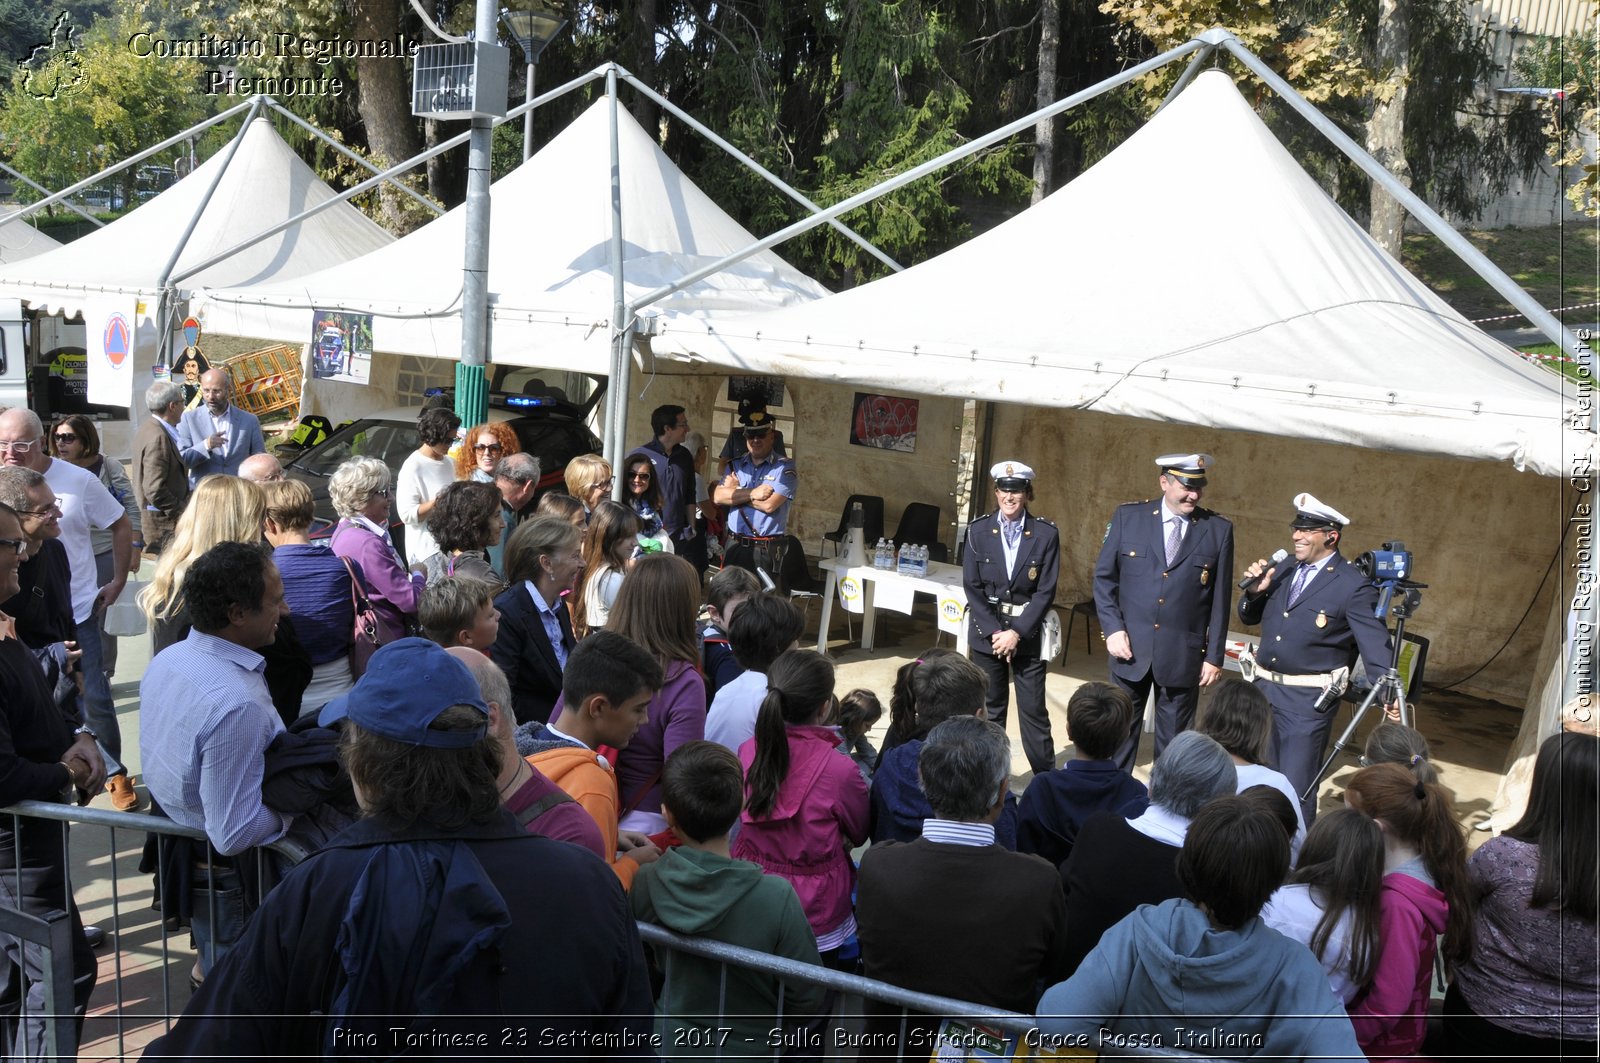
(533, 29)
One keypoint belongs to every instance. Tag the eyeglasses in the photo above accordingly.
(17, 545)
(66, 437)
(606, 483)
(382, 492)
(17, 446)
(492, 448)
(51, 510)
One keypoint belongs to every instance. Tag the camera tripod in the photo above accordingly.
(1389, 688)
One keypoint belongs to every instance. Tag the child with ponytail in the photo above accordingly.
(1425, 893)
(805, 802)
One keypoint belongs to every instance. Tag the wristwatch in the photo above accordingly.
(83, 729)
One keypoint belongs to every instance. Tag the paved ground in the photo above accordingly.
(1469, 738)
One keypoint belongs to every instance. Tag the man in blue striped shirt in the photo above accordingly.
(206, 719)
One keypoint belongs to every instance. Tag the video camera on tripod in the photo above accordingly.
(1387, 570)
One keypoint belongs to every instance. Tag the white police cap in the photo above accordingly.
(1191, 469)
(1011, 474)
(1310, 513)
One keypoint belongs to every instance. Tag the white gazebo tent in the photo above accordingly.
(1196, 274)
(19, 240)
(551, 284)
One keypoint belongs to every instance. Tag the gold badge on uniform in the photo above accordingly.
(1205, 576)
(1033, 572)
(1322, 619)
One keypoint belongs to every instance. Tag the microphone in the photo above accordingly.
(1277, 559)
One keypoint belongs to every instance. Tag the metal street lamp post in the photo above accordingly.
(533, 29)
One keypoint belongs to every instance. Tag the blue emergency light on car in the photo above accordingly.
(528, 401)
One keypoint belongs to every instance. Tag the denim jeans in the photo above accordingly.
(99, 710)
(219, 913)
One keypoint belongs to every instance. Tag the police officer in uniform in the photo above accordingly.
(1010, 572)
(757, 491)
(1162, 587)
(1315, 610)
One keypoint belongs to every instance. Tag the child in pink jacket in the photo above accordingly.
(805, 803)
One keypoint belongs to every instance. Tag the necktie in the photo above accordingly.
(1301, 575)
(1174, 539)
(1012, 530)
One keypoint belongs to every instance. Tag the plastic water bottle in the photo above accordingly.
(903, 560)
(919, 559)
(877, 554)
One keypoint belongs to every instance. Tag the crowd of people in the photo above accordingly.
(506, 726)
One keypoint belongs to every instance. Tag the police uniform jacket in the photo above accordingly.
(1032, 583)
(780, 474)
(1176, 615)
(1324, 628)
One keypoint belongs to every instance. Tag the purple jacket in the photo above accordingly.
(1391, 1016)
(392, 589)
(820, 813)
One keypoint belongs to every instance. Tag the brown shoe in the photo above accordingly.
(124, 798)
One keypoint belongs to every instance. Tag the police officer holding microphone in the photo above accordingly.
(1009, 573)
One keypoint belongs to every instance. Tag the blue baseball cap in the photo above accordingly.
(408, 684)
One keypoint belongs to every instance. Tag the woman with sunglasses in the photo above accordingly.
(642, 491)
(75, 440)
(589, 480)
(482, 450)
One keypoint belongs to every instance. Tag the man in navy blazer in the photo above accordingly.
(216, 436)
(1315, 611)
(1010, 569)
(1162, 587)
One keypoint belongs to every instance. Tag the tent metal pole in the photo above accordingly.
(125, 163)
(621, 330)
(1541, 318)
(347, 153)
(373, 181)
(205, 200)
(31, 183)
(916, 173)
(771, 178)
(472, 388)
(1189, 72)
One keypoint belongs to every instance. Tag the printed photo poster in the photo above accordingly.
(109, 335)
(341, 346)
(885, 422)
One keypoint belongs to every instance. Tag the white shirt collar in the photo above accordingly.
(953, 832)
(1162, 825)
(1167, 516)
(382, 533)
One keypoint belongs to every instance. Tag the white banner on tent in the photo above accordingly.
(109, 339)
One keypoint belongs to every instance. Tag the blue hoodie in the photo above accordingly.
(1165, 978)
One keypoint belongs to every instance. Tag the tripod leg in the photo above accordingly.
(1343, 739)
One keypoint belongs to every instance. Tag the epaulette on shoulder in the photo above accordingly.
(1044, 520)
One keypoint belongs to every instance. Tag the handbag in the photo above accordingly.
(368, 632)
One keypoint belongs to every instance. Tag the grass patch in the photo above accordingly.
(1559, 265)
(1565, 368)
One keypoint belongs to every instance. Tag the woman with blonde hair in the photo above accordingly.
(222, 509)
(608, 548)
(589, 480)
(656, 608)
(359, 491)
(482, 450)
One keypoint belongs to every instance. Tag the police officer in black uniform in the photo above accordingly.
(1315, 610)
(1012, 560)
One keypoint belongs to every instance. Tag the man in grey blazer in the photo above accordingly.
(217, 436)
(160, 481)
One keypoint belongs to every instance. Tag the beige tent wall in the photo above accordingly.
(396, 380)
(1483, 534)
(830, 467)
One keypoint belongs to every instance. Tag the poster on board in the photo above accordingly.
(109, 355)
(885, 422)
(341, 346)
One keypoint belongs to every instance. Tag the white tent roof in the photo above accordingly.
(1195, 275)
(550, 282)
(20, 240)
(264, 184)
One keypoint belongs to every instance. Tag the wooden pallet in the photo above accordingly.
(267, 381)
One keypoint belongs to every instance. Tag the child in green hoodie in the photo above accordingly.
(697, 889)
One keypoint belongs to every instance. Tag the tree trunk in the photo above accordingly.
(643, 34)
(1386, 129)
(1044, 152)
(385, 102)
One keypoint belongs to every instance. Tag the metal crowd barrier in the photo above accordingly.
(136, 930)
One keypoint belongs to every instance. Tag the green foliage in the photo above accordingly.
(1573, 66)
(87, 107)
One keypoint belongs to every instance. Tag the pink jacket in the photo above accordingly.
(1391, 1017)
(820, 813)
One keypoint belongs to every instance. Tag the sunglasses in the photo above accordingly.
(17, 545)
(492, 448)
(639, 476)
(382, 492)
(66, 437)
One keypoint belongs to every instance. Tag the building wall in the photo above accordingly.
(1484, 535)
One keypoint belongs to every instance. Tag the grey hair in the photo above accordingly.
(161, 394)
(961, 766)
(354, 483)
(693, 442)
(492, 682)
(1192, 770)
(15, 483)
(519, 468)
